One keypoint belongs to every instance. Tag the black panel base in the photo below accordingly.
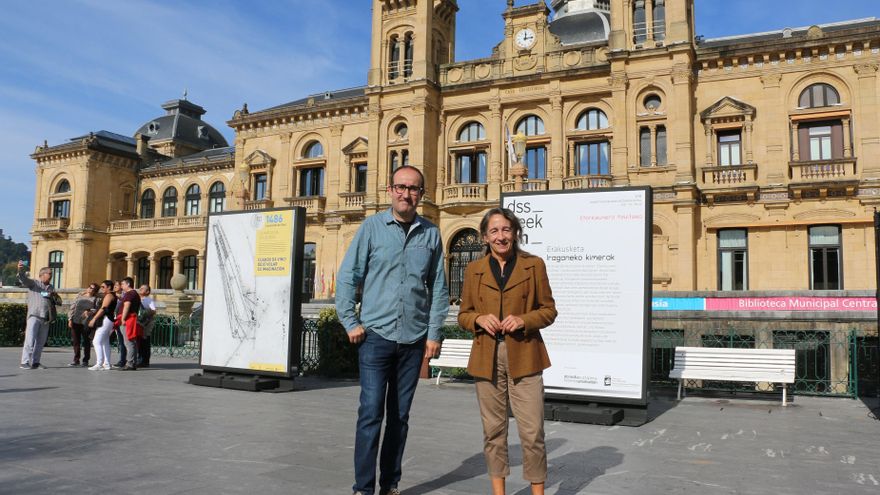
(248, 383)
(595, 414)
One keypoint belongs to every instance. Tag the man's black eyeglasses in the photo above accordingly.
(401, 188)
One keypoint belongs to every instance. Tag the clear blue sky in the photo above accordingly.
(68, 67)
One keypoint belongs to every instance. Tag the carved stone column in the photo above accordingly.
(154, 271)
(129, 266)
(847, 144)
(707, 128)
(747, 127)
(653, 130)
(795, 142)
(557, 144)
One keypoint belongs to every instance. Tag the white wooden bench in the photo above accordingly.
(454, 353)
(736, 365)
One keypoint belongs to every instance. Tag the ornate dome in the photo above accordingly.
(182, 123)
(581, 21)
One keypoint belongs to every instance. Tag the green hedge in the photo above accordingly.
(13, 318)
(337, 356)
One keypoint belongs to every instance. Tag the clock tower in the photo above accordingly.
(526, 36)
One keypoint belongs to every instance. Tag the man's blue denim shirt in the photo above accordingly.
(404, 293)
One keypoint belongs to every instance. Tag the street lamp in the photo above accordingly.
(518, 170)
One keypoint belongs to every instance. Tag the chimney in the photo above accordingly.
(142, 145)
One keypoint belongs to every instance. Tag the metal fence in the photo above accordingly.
(828, 363)
(174, 337)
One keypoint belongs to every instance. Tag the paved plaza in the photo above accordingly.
(69, 430)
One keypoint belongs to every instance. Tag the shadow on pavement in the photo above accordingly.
(34, 389)
(570, 472)
(573, 471)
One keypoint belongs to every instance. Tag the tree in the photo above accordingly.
(10, 254)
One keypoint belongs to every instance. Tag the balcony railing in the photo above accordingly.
(352, 200)
(586, 182)
(159, 224)
(527, 185)
(730, 175)
(823, 170)
(464, 192)
(312, 204)
(52, 225)
(258, 204)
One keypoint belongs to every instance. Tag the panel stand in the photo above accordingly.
(249, 383)
(595, 413)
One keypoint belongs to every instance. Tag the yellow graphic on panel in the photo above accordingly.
(274, 244)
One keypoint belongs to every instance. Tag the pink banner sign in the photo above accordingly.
(791, 304)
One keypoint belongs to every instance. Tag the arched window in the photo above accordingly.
(395, 163)
(659, 20)
(472, 131)
(470, 167)
(217, 197)
(407, 55)
(61, 206)
(193, 200)
(530, 125)
(819, 95)
(394, 57)
(591, 120)
(191, 271)
(466, 247)
(311, 181)
(166, 270)
(148, 204)
(640, 24)
(56, 266)
(143, 271)
(169, 202)
(404, 158)
(314, 150)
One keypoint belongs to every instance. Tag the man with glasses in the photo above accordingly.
(40, 311)
(396, 260)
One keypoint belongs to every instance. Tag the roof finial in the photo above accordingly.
(184, 93)
(510, 4)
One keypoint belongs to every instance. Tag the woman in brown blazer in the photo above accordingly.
(506, 301)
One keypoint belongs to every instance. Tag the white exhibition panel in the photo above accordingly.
(594, 245)
(246, 313)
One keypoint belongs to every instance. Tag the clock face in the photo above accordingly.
(525, 38)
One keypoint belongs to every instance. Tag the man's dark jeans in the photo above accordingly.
(389, 373)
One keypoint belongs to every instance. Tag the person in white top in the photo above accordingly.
(146, 317)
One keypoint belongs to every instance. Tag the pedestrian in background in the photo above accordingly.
(506, 300)
(80, 312)
(146, 318)
(102, 321)
(40, 311)
(128, 324)
(120, 338)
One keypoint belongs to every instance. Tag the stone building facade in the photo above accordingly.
(761, 149)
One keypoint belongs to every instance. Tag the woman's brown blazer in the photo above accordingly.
(527, 295)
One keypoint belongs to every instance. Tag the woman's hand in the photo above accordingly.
(69, 324)
(512, 323)
(490, 323)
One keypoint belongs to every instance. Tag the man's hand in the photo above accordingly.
(69, 324)
(432, 349)
(357, 335)
(489, 323)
